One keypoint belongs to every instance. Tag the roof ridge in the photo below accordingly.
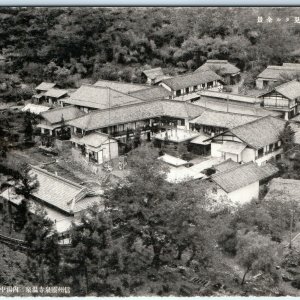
(187, 74)
(233, 168)
(122, 82)
(56, 176)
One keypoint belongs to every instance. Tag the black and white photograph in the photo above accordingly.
(149, 151)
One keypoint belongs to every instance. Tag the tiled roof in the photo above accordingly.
(222, 119)
(223, 66)
(275, 72)
(123, 87)
(94, 139)
(283, 189)
(156, 92)
(55, 93)
(45, 86)
(239, 176)
(57, 191)
(68, 113)
(289, 89)
(35, 109)
(226, 165)
(196, 78)
(236, 108)
(230, 97)
(260, 132)
(153, 73)
(99, 97)
(136, 112)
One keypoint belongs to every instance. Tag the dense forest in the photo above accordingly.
(70, 44)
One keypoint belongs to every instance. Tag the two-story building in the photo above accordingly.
(149, 117)
(185, 87)
(257, 141)
(51, 120)
(41, 89)
(283, 98)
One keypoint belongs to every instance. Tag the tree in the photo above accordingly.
(43, 256)
(94, 261)
(256, 253)
(26, 184)
(286, 136)
(28, 128)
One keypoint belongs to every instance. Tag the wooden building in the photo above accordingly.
(283, 98)
(254, 141)
(229, 72)
(273, 74)
(186, 87)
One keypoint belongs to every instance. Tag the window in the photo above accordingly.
(178, 93)
(260, 152)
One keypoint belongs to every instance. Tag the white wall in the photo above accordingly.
(214, 150)
(248, 154)
(245, 194)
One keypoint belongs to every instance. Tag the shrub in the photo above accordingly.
(227, 240)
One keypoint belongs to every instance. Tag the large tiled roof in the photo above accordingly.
(230, 97)
(260, 132)
(68, 113)
(123, 87)
(236, 108)
(136, 112)
(283, 190)
(289, 89)
(57, 191)
(275, 72)
(223, 66)
(99, 97)
(154, 73)
(156, 92)
(45, 86)
(56, 93)
(239, 176)
(196, 78)
(222, 119)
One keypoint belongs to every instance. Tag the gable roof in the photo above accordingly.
(154, 73)
(236, 108)
(196, 78)
(222, 119)
(223, 66)
(94, 139)
(229, 96)
(123, 87)
(283, 189)
(226, 165)
(45, 86)
(274, 72)
(57, 191)
(55, 93)
(136, 112)
(156, 92)
(239, 176)
(68, 113)
(260, 132)
(99, 97)
(290, 90)
(172, 160)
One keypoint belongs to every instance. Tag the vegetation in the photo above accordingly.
(66, 45)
